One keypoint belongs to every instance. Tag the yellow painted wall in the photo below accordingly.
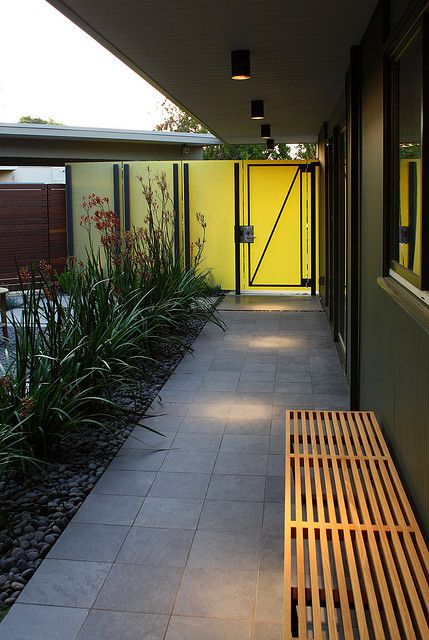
(211, 192)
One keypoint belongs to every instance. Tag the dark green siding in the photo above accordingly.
(394, 350)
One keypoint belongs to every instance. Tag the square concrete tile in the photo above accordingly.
(160, 409)
(158, 547)
(277, 443)
(180, 485)
(138, 460)
(183, 382)
(225, 550)
(178, 460)
(234, 443)
(91, 542)
(100, 508)
(125, 483)
(168, 423)
(272, 553)
(172, 513)
(275, 489)
(274, 517)
(170, 394)
(38, 622)
(203, 425)
(217, 594)
(140, 438)
(184, 628)
(269, 600)
(257, 376)
(118, 625)
(65, 583)
(253, 410)
(140, 588)
(215, 410)
(197, 441)
(220, 515)
(252, 464)
(214, 397)
(276, 464)
(231, 487)
(223, 385)
(248, 426)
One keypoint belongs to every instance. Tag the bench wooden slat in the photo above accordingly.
(361, 562)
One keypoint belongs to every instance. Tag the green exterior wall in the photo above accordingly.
(393, 348)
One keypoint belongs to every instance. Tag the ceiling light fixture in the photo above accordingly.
(270, 144)
(265, 131)
(257, 109)
(240, 64)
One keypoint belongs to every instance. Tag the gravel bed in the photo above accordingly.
(35, 510)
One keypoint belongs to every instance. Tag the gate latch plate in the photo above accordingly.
(247, 234)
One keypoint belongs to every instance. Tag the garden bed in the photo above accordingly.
(36, 508)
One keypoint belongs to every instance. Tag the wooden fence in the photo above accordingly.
(32, 227)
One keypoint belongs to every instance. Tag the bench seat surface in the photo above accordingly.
(356, 563)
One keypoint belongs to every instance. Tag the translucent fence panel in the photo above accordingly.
(101, 178)
(137, 175)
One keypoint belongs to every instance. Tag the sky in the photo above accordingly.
(51, 69)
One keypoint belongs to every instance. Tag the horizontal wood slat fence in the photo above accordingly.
(32, 227)
(356, 563)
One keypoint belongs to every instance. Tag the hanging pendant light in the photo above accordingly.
(240, 64)
(270, 144)
(257, 109)
(265, 131)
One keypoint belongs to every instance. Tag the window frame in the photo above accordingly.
(393, 52)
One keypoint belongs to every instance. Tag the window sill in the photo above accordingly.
(409, 302)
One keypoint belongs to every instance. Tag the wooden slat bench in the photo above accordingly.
(356, 563)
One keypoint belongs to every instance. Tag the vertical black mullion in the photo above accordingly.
(186, 220)
(69, 210)
(127, 214)
(335, 230)
(354, 200)
(300, 222)
(48, 218)
(176, 212)
(313, 229)
(116, 200)
(424, 169)
(237, 226)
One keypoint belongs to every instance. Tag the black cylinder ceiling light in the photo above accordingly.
(257, 109)
(265, 131)
(240, 64)
(270, 144)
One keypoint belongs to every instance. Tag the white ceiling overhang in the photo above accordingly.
(299, 56)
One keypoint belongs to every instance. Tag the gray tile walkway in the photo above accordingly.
(182, 538)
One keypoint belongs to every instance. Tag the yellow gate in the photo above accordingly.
(280, 211)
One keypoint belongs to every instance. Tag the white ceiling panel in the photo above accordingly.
(299, 56)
